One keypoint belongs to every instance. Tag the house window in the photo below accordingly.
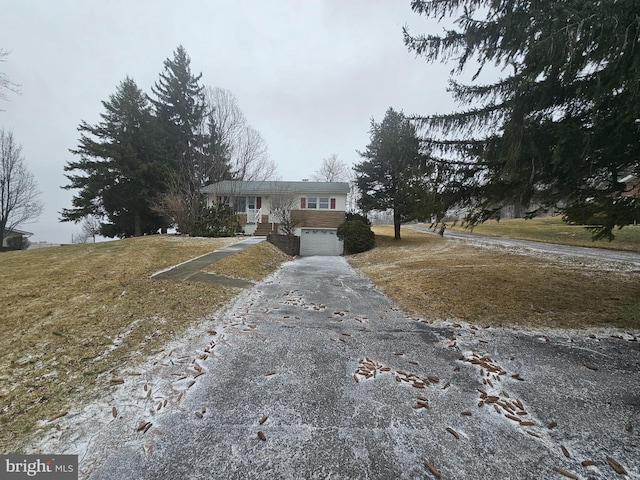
(241, 204)
(324, 203)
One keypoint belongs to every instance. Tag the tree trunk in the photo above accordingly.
(396, 225)
(137, 226)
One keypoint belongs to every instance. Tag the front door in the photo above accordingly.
(252, 209)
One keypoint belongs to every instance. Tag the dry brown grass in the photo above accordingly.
(254, 263)
(439, 278)
(554, 230)
(72, 314)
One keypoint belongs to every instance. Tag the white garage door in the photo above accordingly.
(319, 241)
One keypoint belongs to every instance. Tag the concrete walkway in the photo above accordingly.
(192, 269)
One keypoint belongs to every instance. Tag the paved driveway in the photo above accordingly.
(632, 259)
(316, 374)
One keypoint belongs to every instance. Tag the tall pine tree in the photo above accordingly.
(120, 172)
(561, 127)
(394, 174)
(180, 108)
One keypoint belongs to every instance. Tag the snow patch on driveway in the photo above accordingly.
(351, 387)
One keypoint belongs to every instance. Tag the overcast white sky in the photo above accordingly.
(308, 74)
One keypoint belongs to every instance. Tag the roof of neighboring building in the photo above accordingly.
(232, 187)
(19, 232)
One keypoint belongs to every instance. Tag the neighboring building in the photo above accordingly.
(311, 210)
(14, 233)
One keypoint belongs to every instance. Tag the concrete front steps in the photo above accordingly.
(264, 229)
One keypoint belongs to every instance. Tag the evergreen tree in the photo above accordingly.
(180, 109)
(122, 171)
(394, 174)
(561, 128)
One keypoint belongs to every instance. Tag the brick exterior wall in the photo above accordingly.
(319, 218)
(307, 218)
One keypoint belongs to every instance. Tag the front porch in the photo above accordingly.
(254, 222)
(265, 227)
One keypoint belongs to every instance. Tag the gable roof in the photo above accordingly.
(9, 231)
(233, 187)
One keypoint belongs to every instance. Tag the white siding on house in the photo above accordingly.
(15, 233)
(316, 209)
(340, 202)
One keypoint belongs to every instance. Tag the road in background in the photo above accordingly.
(632, 258)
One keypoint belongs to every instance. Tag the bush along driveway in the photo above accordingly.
(314, 373)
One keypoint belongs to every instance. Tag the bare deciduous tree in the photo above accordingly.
(19, 195)
(245, 148)
(177, 208)
(89, 228)
(222, 108)
(285, 211)
(228, 149)
(5, 83)
(332, 169)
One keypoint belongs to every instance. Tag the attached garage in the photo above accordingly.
(319, 241)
